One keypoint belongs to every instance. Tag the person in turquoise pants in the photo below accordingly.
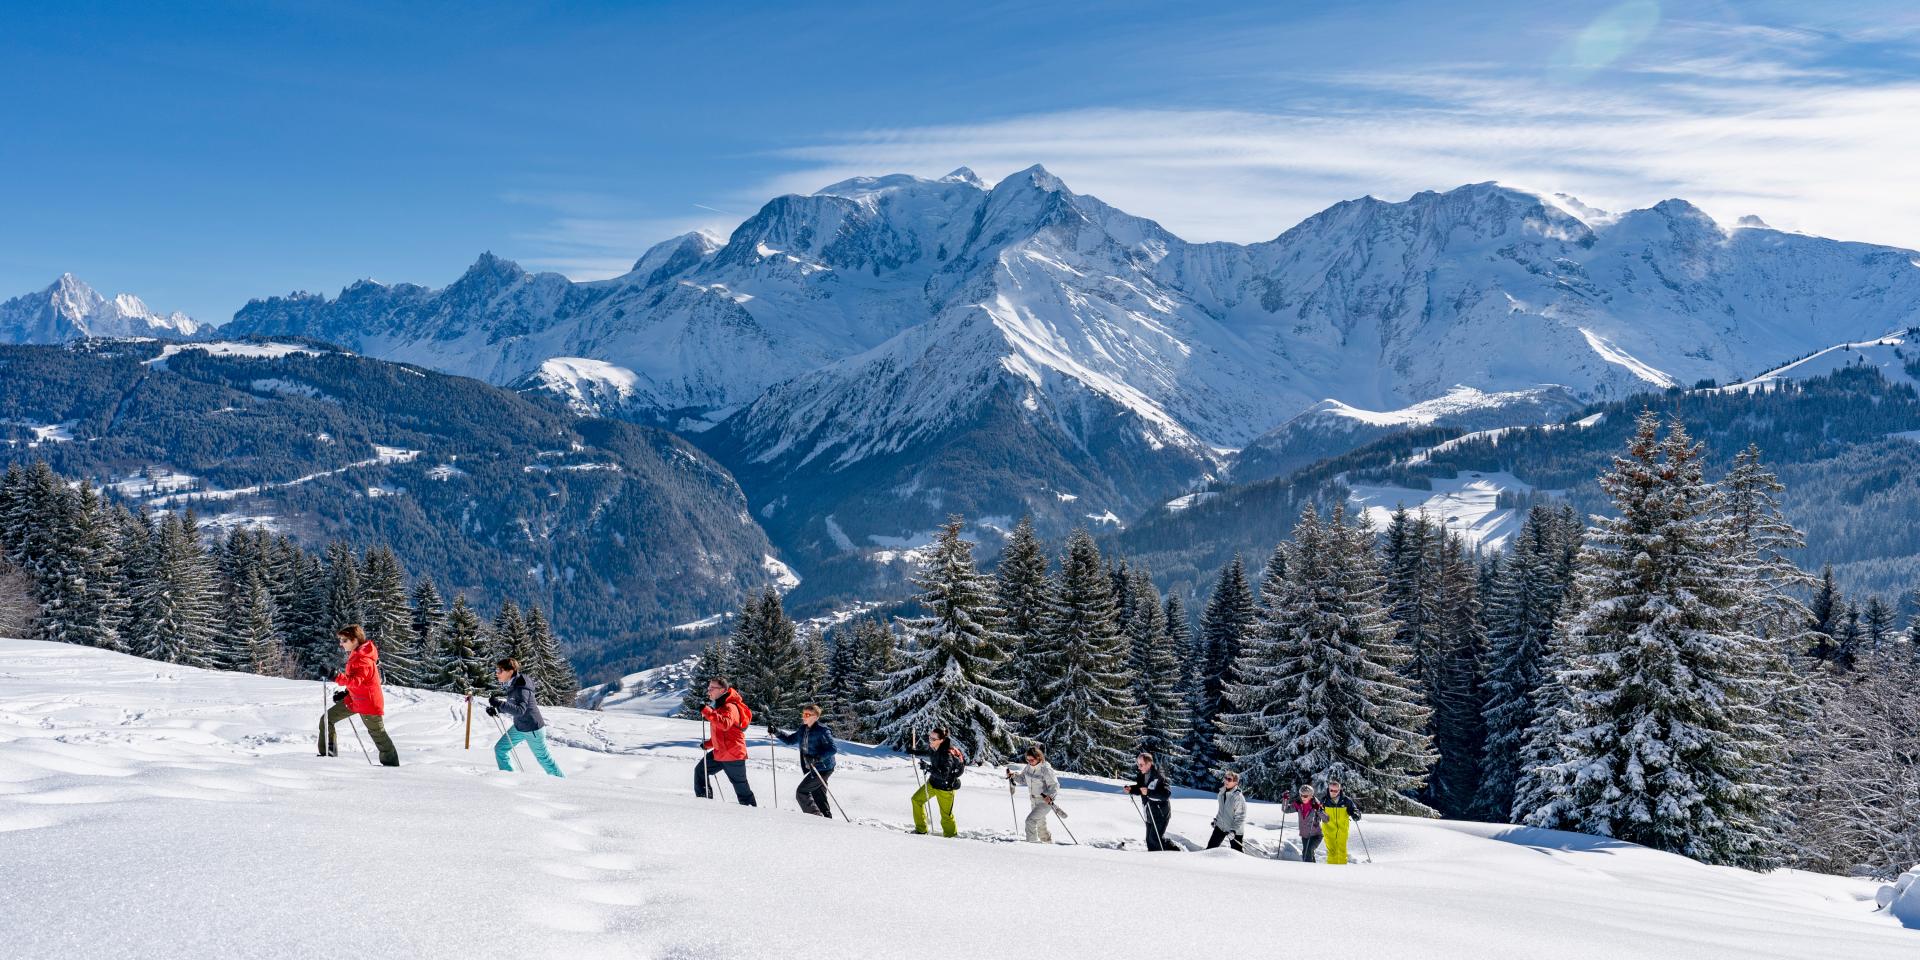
(529, 727)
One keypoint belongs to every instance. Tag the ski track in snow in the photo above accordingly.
(155, 811)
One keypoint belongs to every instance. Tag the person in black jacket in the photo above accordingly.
(529, 726)
(1152, 786)
(944, 765)
(817, 751)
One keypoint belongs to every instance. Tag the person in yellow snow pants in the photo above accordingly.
(1342, 812)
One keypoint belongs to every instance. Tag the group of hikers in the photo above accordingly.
(941, 765)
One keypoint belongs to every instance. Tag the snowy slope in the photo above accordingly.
(71, 310)
(152, 811)
(1889, 355)
(1330, 427)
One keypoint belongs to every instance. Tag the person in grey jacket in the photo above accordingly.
(529, 727)
(1230, 820)
(1043, 785)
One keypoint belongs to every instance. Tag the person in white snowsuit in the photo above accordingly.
(1043, 785)
(1230, 820)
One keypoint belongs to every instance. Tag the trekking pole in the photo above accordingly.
(1013, 807)
(511, 743)
(706, 769)
(356, 736)
(773, 763)
(925, 795)
(1062, 814)
(815, 773)
(1363, 841)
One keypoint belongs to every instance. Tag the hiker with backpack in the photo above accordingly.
(359, 694)
(726, 745)
(945, 765)
(1342, 814)
(817, 751)
(1153, 787)
(1312, 816)
(1230, 818)
(529, 727)
(1043, 786)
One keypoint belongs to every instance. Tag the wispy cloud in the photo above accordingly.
(586, 238)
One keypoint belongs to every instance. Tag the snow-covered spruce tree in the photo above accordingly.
(81, 595)
(1849, 637)
(252, 623)
(1458, 692)
(176, 601)
(509, 635)
(555, 682)
(1823, 615)
(389, 618)
(1763, 539)
(1519, 618)
(309, 619)
(1224, 630)
(813, 642)
(1859, 810)
(949, 669)
(1412, 596)
(1120, 587)
(1319, 693)
(344, 589)
(467, 667)
(712, 662)
(767, 662)
(1022, 590)
(856, 657)
(1088, 718)
(1877, 622)
(1661, 737)
(427, 618)
(1157, 667)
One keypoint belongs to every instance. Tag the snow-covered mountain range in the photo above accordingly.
(891, 349)
(71, 310)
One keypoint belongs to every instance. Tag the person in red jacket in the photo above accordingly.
(359, 693)
(727, 746)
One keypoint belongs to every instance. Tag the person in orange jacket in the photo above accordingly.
(727, 745)
(359, 693)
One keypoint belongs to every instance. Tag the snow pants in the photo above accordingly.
(1037, 822)
(1307, 846)
(535, 741)
(1158, 813)
(376, 728)
(1336, 830)
(942, 797)
(812, 794)
(736, 771)
(1237, 841)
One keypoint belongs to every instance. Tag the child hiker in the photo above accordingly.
(529, 727)
(359, 693)
(1042, 787)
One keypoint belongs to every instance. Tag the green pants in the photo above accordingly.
(942, 797)
(376, 728)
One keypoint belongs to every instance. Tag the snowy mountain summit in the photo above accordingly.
(71, 310)
(868, 346)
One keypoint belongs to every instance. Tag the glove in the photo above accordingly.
(494, 702)
(339, 695)
(491, 712)
(706, 744)
(707, 713)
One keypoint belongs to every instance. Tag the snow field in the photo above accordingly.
(149, 810)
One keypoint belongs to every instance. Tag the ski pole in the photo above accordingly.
(1062, 814)
(815, 773)
(773, 763)
(924, 794)
(1363, 841)
(511, 743)
(706, 769)
(356, 736)
(1012, 807)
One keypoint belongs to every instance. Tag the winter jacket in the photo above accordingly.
(519, 703)
(1350, 810)
(816, 746)
(944, 766)
(1312, 815)
(1152, 785)
(1041, 781)
(729, 716)
(1232, 815)
(362, 680)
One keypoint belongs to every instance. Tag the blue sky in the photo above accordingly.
(202, 154)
